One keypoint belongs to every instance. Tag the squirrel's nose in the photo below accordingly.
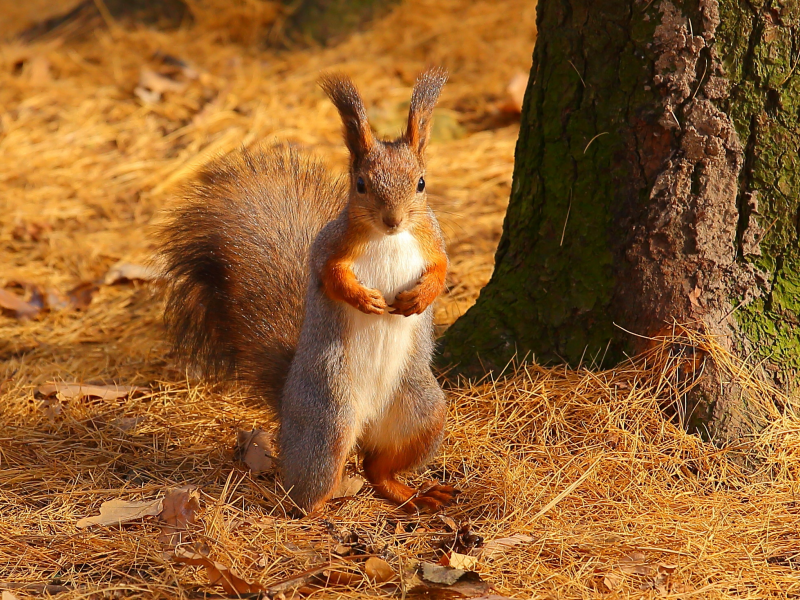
(391, 221)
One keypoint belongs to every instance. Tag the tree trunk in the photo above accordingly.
(656, 181)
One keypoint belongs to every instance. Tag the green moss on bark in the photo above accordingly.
(554, 277)
(759, 45)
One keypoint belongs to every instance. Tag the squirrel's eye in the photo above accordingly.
(361, 187)
(420, 185)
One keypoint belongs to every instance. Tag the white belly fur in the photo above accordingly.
(379, 345)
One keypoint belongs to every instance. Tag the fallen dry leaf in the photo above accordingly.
(348, 486)
(462, 561)
(218, 574)
(254, 448)
(451, 524)
(501, 545)
(442, 575)
(378, 570)
(635, 563)
(180, 506)
(80, 390)
(16, 306)
(152, 85)
(694, 295)
(81, 295)
(468, 585)
(116, 512)
(661, 582)
(612, 581)
(52, 408)
(123, 272)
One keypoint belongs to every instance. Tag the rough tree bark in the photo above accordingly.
(656, 180)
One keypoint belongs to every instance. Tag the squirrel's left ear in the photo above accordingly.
(420, 116)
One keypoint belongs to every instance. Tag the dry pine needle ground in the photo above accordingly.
(607, 497)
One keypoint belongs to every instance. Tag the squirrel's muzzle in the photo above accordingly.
(392, 221)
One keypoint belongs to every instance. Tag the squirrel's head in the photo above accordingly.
(387, 177)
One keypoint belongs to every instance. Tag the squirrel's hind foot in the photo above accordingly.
(431, 498)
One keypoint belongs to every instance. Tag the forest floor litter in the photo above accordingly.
(122, 475)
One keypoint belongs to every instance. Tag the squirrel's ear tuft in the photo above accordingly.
(420, 116)
(345, 97)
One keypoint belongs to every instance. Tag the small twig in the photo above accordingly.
(593, 139)
(703, 76)
(569, 208)
(766, 231)
(578, 72)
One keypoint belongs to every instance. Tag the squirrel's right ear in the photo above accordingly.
(344, 95)
(420, 115)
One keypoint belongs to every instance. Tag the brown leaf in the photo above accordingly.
(123, 272)
(451, 524)
(81, 295)
(502, 545)
(16, 306)
(635, 563)
(442, 575)
(218, 574)
(80, 390)
(378, 570)
(348, 486)
(152, 85)
(612, 581)
(51, 407)
(179, 511)
(462, 561)
(254, 448)
(469, 585)
(116, 512)
(694, 295)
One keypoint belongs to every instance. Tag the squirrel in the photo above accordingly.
(316, 292)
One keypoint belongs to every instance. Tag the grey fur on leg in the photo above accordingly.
(314, 445)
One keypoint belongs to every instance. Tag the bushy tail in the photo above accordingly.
(236, 254)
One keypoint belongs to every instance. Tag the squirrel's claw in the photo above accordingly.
(431, 499)
(371, 302)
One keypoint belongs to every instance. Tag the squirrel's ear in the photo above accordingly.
(423, 99)
(344, 95)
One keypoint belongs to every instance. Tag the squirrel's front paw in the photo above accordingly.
(410, 302)
(370, 302)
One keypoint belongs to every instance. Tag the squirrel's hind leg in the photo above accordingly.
(313, 453)
(408, 435)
